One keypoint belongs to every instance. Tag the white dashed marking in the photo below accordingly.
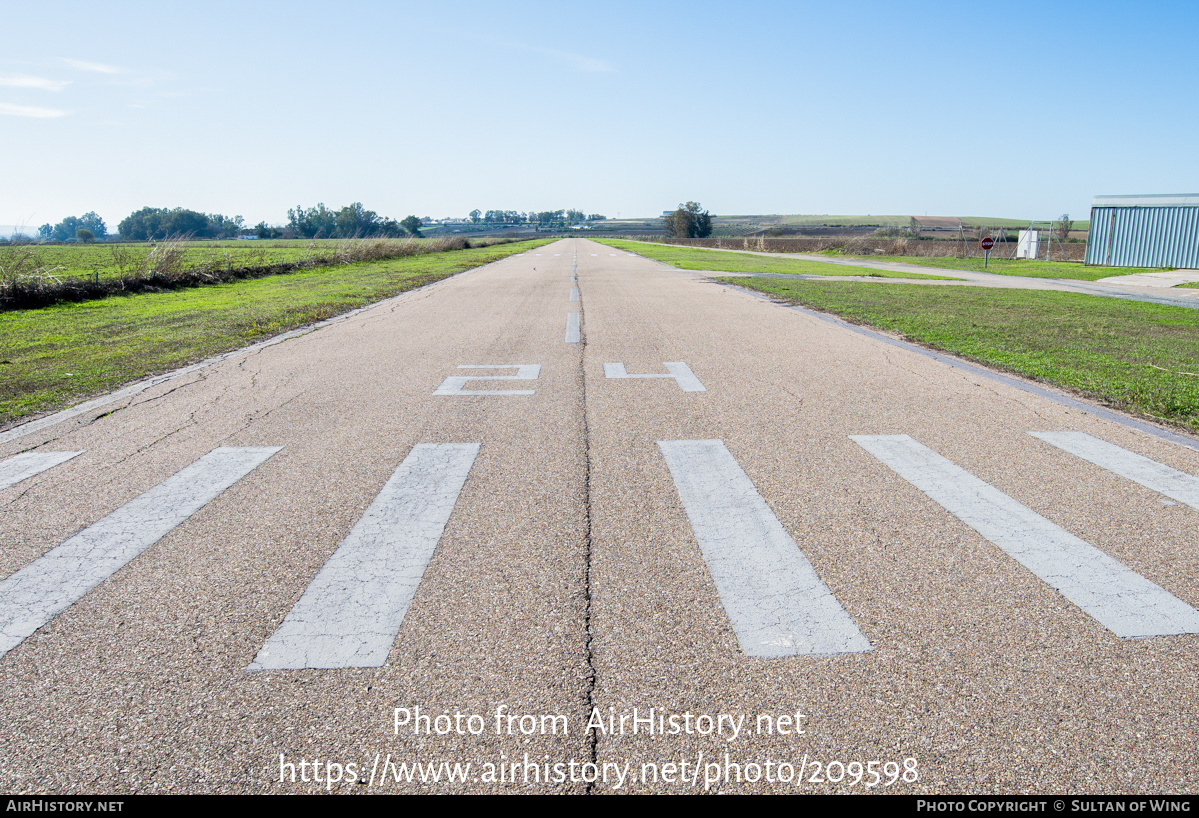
(572, 328)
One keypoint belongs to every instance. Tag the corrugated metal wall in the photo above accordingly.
(1144, 237)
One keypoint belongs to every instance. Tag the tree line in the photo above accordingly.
(351, 221)
(542, 218)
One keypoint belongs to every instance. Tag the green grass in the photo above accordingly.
(1138, 357)
(59, 355)
(1015, 267)
(699, 258)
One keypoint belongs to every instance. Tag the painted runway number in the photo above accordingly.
(524, 372)
(678, 370)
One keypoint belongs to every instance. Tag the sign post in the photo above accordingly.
(986, 244)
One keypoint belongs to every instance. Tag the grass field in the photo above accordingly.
(1014, 267)
(59, 355)
(1138, 357)
(698, 258)
(989, 221)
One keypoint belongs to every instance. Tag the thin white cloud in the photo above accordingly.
(26, 81)
(580, 62)
(31, 111)
(97, 67)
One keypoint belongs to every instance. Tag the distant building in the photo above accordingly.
(1154, 230)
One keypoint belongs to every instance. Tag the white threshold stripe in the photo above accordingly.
(1152, 475)
(24, 466)
(776, 603)
(572, 328)
(574, 293)
(1117, 597)
(352, 610)
(50, 584)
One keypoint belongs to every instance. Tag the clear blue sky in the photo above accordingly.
(1013, 109)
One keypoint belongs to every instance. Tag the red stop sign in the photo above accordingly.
(987, 244)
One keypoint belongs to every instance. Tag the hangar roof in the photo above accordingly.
(1148, 200)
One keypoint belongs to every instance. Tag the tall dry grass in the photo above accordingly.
(26, 282)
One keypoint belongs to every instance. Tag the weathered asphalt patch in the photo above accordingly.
(350, 613)
(50, 584)
(1139, 469)
(1121, 600)
(776, 603)
(24, 466)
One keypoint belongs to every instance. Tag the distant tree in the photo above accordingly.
(84, 235)
(914, 227)
(688, 222)
(1064, 225)
(475, 215)
(154, 223)
(265, 231)
(315, 222)
(65, 229)
(45, 232)
(351, 221)
(355, 220)
(92, 221)
(223, 227)
(412, 224)
(551, 218)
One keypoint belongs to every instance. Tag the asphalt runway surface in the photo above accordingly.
(686, 540)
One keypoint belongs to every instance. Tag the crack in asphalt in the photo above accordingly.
(202, 376)
(588, 653)
(260, 415)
